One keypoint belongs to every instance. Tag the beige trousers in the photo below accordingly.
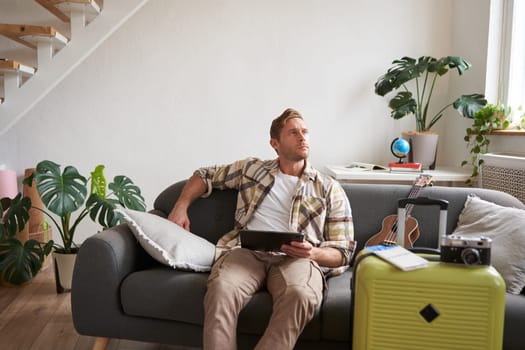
(296, 286)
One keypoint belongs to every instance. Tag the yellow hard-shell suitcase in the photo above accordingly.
(443, 306)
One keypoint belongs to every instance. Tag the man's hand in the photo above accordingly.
(193, 189)
(180, 217)
(326, 256)
(299, 249)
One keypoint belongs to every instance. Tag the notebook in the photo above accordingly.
(267, 240)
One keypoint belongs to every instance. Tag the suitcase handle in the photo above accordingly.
(401, 216)
(443, 204)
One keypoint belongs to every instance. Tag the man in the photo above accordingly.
(285, 194)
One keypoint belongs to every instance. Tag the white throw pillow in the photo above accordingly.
(169, 243)
(506, 227)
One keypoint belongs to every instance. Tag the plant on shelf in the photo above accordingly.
(415, 99)
(19, 262)
(65, 192)
(521, 123)
(489, 118)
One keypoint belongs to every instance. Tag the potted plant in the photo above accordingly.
(414, 81)
(64, 191)
(19, 262)
(489, 118)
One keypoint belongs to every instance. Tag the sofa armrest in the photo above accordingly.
(103, 261)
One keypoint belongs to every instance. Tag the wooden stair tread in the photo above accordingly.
(15, 66)
(24, 34)
(59, 7)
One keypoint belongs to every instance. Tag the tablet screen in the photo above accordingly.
(268, 240)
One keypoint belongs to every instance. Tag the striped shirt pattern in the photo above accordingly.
(320, 208)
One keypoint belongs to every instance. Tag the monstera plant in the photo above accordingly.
(65, 191)
(416, 98)
(413, 81)
(19, 262)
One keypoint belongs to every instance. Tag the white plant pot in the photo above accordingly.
(423, 148)
(64, 265)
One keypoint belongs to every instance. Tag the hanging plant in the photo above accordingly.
(489, 118)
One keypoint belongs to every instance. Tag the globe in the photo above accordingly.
(400, 147)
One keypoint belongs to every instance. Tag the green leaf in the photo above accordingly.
(16, 214)
(468, 105)
(402, 71)
(98, 181)
(20, 263)
(62, 193)
(430, 64)
(128, 193)
(451, 62)
(102, 210)
(402, 104)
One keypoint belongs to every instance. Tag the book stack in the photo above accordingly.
(405, 167)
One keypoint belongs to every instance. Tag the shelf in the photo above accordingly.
(510, 132)
(15, 66)
(446, 175)
(29, 35)
(62, 8)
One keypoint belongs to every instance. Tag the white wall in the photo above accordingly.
(469, 39)
(191, 83)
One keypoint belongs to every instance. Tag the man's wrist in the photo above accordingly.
(181, 204)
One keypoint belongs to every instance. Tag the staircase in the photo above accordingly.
(90, 22)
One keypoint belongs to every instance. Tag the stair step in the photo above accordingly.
(7, 65)
(62, 8)
(29, 35)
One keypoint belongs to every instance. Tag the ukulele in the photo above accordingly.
(388, 233)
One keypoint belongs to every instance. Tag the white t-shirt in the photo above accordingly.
(274, 212)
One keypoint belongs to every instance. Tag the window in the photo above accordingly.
(506, 59)
(516, 88)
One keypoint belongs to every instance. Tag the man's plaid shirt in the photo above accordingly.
(320, 208)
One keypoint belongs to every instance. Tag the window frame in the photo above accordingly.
(506, 55)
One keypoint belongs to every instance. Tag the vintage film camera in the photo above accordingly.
(466, 250)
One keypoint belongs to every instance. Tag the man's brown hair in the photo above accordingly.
(278, 123)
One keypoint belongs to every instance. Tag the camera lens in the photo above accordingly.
(470, 256)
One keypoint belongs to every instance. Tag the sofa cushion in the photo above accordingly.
(168, 243)
(514, 321)
(162, 293)
(505, 227)
(166, 294)
(337, 319)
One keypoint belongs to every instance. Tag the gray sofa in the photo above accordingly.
(120, 292)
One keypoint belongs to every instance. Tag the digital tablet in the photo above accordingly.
(268, 240)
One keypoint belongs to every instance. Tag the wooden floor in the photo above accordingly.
(35, 317)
